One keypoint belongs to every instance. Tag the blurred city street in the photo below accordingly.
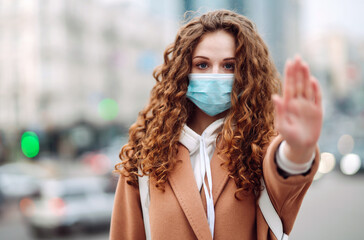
(75, 74)
(13, 227)
(333, 209)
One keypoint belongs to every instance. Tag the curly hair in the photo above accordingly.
(248, 126)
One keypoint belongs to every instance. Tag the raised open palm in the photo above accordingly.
(299, 111)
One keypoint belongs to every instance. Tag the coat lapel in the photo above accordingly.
(220, 176)
(184, 186)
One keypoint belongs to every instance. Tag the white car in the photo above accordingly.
(21, 179)
(67, 204)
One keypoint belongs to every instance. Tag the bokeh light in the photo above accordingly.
(345, 144)
(97, 162)
(26, 205)
(30, 144)
(147, 61)
(108, 109)
(327, 162)
(350, 164)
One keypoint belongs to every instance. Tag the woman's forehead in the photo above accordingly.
(219, 43)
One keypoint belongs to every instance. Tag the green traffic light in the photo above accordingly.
(108, 109)
(30, 144)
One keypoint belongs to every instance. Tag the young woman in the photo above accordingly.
(215, 122)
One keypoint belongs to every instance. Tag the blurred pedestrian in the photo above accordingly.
(214, 127)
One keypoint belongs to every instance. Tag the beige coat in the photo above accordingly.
(180, 211)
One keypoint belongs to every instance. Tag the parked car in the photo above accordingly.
(21, 179)
(67, 205)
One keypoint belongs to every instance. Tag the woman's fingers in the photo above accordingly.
(306, 83)
(316, 91)
(298, 82)
(309, 92)
(288, 81)
(298, 77)
(301, 86)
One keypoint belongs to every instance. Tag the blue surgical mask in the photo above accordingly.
(210, 92)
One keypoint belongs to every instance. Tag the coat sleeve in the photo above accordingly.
(286, 194)
(127, 217)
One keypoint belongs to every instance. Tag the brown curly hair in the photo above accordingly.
(248, 127)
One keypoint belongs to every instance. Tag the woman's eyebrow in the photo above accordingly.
(225, 59)
(201, 57)
(230, 58)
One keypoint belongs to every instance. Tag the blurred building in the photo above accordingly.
(339, 64)
(208, 5)
(59, 59)
(20, 88)
(278, 22)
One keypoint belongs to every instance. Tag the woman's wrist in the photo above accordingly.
(298, 155)
(287, 167)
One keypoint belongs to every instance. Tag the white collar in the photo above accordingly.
(190, 139)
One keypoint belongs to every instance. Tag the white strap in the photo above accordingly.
(270, 215)
(207, 169)
(145, 201)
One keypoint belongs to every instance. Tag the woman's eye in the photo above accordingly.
(202, 65)
(229, 66)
